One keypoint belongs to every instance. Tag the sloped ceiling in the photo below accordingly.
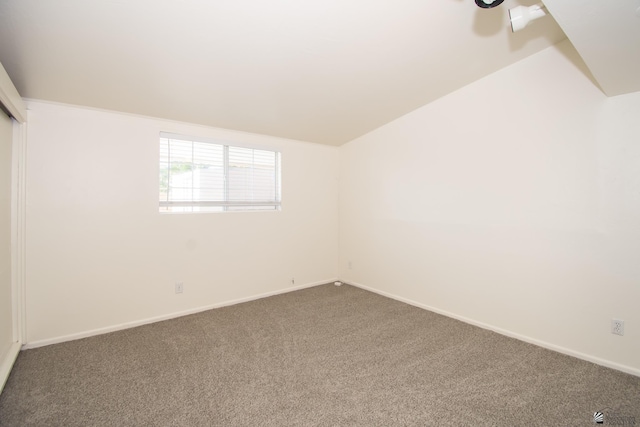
(321, 71)
(606, 34)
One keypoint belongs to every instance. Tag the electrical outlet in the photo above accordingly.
(350, 265)
(179, 287)
(617, 326)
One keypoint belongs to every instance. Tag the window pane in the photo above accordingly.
(251, 175)
(197, 176)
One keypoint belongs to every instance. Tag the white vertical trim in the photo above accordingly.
(7, 363)
(18, 157)
(18, 231)
(10, 98)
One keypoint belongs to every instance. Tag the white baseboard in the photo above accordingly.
(543, 344)
(119, 327)
(7, 363)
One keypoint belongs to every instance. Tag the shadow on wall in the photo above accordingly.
(572, 55)
(489, 22)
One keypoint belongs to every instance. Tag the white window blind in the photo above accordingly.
(200, 176)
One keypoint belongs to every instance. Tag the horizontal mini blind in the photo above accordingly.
(200, 176)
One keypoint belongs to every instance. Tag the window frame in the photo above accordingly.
(226, 205)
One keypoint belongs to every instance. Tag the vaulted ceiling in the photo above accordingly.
(606, 34)
(321, 71)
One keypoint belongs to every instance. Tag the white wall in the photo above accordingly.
(513, 203)
(6, 317)
(99, 254)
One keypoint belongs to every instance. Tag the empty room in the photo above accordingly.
(336, 213)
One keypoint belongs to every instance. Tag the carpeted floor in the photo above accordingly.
(324, 356)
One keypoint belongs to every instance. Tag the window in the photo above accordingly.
(201, 176)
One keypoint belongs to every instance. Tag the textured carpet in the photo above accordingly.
(324, 356)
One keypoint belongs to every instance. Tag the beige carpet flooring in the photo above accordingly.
(324, 356)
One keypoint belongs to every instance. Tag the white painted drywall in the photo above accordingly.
(100, 255)
(6, 316)
(324, 71)
(513, 202)
(607, 36)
